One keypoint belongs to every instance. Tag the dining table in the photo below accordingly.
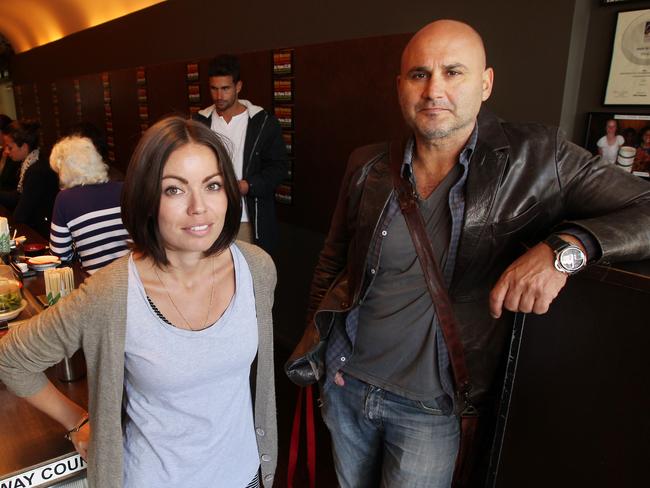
(33, 449)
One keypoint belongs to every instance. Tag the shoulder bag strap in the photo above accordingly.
(409, 206)
(442, 303)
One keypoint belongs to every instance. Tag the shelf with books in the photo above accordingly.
(193, 87)
(77, 100)
(283, 96)
(108, 116)
(143, 107)
(55, 110)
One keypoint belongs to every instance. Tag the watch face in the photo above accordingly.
(571, 259)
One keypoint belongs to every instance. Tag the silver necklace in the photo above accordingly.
(187, 322)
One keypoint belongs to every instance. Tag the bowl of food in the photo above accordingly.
(11, 299)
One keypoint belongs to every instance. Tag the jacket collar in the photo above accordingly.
(253, 110)
(490, 131)
(486, 170)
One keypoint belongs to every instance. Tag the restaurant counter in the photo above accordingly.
(33, 450)
(578, 412)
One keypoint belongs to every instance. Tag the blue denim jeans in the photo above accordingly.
(383, 439)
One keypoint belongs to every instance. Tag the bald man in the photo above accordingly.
(483, 187)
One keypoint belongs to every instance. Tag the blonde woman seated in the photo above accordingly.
(86, 219)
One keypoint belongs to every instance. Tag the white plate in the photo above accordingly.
(14, 313)
(41, 263)
(43, 267)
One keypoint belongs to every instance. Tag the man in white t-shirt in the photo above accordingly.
(254, 139)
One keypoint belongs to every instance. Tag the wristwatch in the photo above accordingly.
(568, 257)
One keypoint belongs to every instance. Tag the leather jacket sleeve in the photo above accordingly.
(610, 204)
(336, 252)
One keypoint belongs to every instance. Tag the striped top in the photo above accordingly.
(86, 220)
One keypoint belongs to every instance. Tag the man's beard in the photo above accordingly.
(442, 132)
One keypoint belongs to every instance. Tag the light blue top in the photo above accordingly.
(188, 402)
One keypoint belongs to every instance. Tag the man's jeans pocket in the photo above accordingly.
(430, 406)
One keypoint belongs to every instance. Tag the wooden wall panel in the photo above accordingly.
(92, 100)
(126, 125)
(256, 75)
(167, 91)
(28, 102)
(67, 104)
(48, 124)
(345, 97)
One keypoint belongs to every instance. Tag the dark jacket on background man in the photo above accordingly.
(524, 182)
(265, 167)
(35, 204)
(9, 175)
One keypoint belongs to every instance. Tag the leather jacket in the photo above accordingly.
(524, 182)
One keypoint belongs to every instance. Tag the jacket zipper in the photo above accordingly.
(257, 235)
(250, 158)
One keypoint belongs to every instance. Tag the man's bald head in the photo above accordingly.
(448, 30)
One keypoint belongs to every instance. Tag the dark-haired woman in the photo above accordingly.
(33, 199)
(169, 332)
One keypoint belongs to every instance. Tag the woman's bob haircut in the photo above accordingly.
(77, 162)
(143, 184)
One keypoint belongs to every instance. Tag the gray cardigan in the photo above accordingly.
(94, 318)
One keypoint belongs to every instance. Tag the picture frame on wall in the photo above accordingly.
(283, 62)
(629, 72)
(283, 90)
(631, 151)
(617, 2)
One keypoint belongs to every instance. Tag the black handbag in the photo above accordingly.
(309, 367)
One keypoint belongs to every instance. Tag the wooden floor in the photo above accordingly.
(286, 393)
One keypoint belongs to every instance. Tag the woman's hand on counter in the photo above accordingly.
(81, 439)
(52, 402)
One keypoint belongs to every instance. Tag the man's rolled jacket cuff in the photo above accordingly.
(586, 239)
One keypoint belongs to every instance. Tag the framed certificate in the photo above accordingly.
(629, 72)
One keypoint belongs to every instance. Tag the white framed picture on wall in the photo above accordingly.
(621, 139)
(629, 72)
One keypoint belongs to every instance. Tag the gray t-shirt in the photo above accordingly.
(189, 414)
(395, 346)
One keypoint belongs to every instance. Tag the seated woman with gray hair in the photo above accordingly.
(86, 219)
